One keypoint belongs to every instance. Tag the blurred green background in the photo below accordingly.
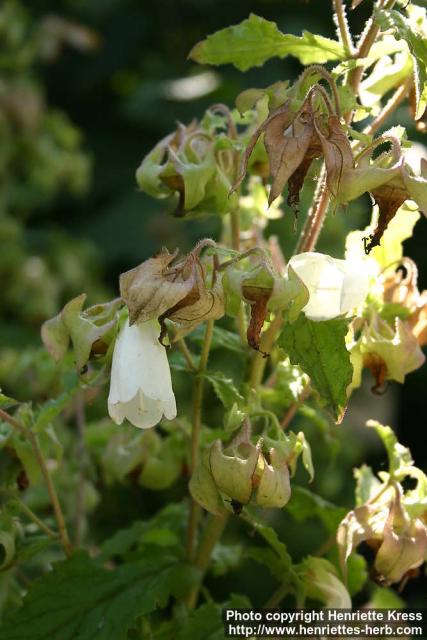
(78, 111)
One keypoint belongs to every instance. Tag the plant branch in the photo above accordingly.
(343, 29)
(315, 217)
(182, 346)
(81, 459)
(32, 438)
(395, 100)
(212, 533)
(31, 515)
(235, 244)
(198, 389)
(364, 46)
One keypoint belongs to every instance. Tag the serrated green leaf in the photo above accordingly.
(171, 519)
(79, 600)
(207, 622)
(305, 504)
(221, 339)
(417, 44)
(319, 349)
(225, 389)
(283, 559)
(256, 40)
(52, 408)
(6, 402)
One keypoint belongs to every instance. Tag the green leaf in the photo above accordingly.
(207, 622)
(221, 339)
(6, 402)
(319, 349)
(304, 505)
(164, 529)
(417, 43)
(399, 456)
(204, 624)
(224, 389)
(7, 540)
(256, 40)
(52, 408)
(79, 600)
(283, 559)
(385, 598)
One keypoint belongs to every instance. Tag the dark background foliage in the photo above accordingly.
(119, 96)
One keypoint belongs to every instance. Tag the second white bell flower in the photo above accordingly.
(141, 387)
(335, 286)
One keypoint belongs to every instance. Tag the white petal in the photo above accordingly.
(324, 281)
(141, 386)
(117, 412)
(140, 363)
(355, 285)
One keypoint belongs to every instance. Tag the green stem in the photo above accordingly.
(198, 389)
(82, 462)
(395, 100)
(235, 244)
(211, 535)
(276, 598)
(32, 438)
(28, 512)
(182, 346)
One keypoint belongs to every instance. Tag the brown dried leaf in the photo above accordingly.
(279, 120)
(259, 300)
(400, 287)
(200, 305)
(389, 198)
(296, 180)
(287, 149)
(418, 320)
(152, 288)
(336, 150)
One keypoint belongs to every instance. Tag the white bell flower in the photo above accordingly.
(335, 286)
(141, 387)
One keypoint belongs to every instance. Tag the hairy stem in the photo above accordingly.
(391, 106)
(59, 516)
(315, 217)
(367, 39)
(343, 29)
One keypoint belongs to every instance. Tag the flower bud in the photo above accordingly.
(274, 488)
(404, 544)
(203, 488)
(91, 331)
(233, 471)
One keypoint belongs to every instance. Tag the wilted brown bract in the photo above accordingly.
(158, 289)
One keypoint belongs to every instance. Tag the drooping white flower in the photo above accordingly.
(335, 286)
(141, 387)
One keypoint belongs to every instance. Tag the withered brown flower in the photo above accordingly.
(157, 288)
